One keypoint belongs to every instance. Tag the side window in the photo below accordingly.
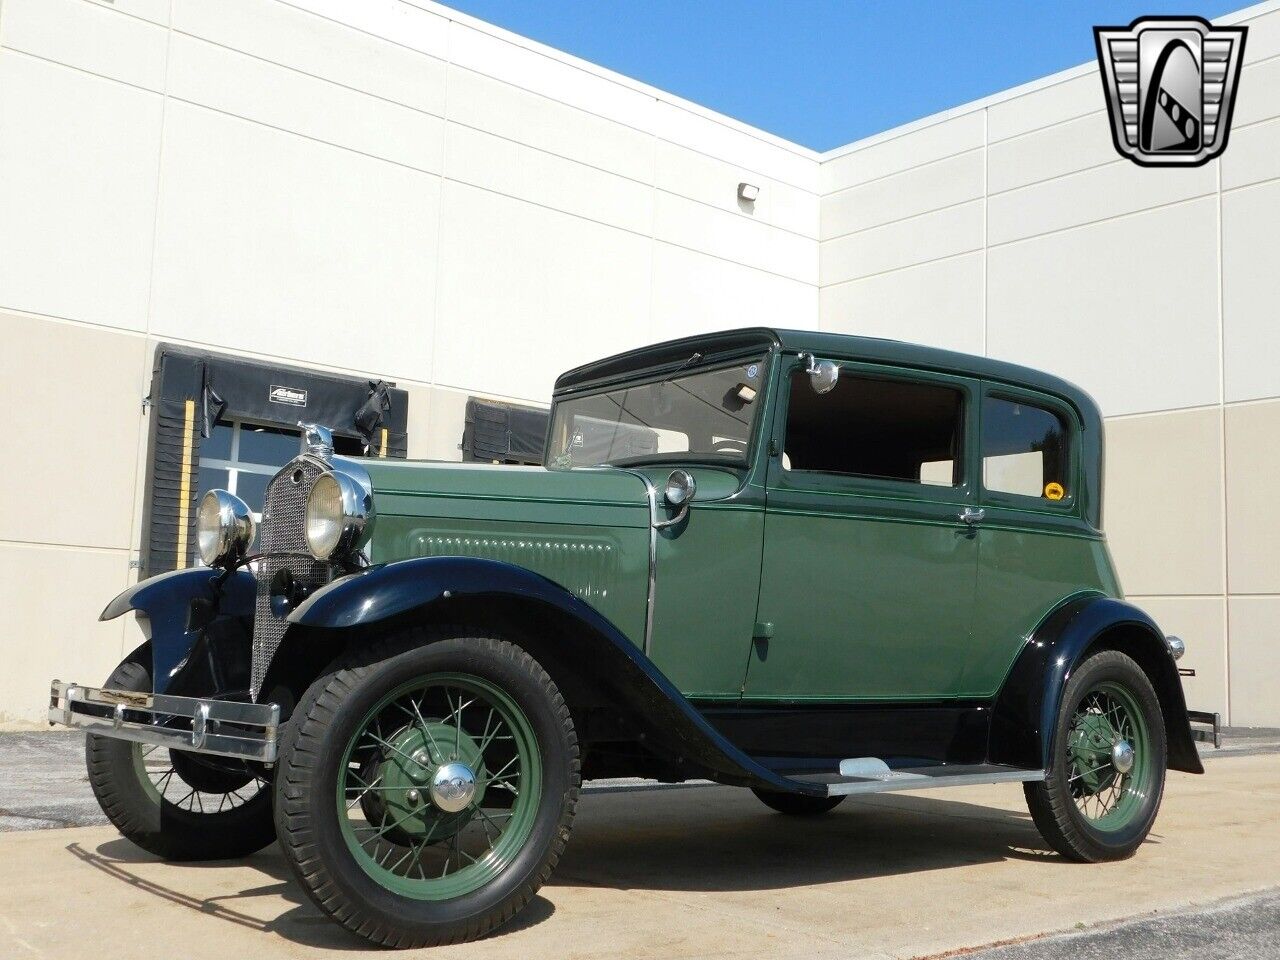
(882, 429)
(1024, 450)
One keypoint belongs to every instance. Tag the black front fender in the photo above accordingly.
(593, 647)
(1026, 710)
(166, 606)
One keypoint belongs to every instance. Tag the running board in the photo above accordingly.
(873, 775)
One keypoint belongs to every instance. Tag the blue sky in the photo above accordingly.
(825, 72)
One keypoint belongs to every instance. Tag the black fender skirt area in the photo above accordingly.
(1026, 710)
(626, 675)
(175, 607)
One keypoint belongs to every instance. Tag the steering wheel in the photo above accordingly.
(729, 445)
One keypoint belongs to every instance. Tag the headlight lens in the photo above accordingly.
(337, 516)
(224, 527)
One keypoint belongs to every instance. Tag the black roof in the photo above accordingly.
(728, 343)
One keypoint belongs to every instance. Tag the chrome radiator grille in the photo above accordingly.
(282, 540)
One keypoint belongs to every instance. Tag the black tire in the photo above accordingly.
(797, 804)
(159, 824)
(314, 746)
(1053, 804)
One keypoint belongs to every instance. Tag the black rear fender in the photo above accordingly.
(1026, 710)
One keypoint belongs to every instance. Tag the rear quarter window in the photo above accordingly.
(1025, 450)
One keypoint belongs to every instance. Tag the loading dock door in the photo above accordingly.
(219, 421)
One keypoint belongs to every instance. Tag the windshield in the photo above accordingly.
(705, 415)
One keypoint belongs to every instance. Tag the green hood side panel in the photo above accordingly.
(586, 530)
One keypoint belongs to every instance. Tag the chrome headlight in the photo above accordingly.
(337, 516)
(224, 527)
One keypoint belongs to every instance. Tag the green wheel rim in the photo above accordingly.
(1109, 793)
(397, 828)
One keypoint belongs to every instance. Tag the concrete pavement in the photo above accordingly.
(1240, 928)
(696, 871)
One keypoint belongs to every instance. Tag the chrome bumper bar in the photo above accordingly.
(225, 728)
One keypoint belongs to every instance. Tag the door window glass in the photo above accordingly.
(1024, 450)
(878, 428)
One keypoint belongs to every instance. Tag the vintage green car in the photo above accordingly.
(808, 564)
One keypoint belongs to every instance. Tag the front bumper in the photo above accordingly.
(225, 728)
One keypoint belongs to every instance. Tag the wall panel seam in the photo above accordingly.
(315, 76)
(1255, 183)
(440, 214)
(78, 69)
(432, 173)
(908, 266)
(53, 545)
(911, 216)
(766, 139)
(986, 224)
(1222, 456)
(924, 165)
(812, 191)
(468, 126)
(1058, 176)
(1114, 217)
(155, 338)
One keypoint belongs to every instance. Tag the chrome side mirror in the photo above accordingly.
(677, 493)
(823, 374)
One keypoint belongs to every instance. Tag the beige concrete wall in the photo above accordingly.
(392, 189)
(1011, 227)
(384, 189)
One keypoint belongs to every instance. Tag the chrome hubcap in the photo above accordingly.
(1122, 756)
(453, 787)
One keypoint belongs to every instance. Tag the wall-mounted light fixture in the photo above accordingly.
(748, 192)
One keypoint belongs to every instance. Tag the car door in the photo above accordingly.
(867, 578)
(1035, 547)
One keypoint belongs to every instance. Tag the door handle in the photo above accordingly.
(972, 516)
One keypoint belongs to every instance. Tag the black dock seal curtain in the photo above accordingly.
(193, 390)
(503, 432)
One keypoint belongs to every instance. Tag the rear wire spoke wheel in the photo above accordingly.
(176, 804)
(427, 787)
(1103, 789)
(797, 804)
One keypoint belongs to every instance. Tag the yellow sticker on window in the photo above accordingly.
(1053, 491)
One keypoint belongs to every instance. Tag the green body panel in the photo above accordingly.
(1023, 573)
(863, 608)
(869, 584)
(859, 589)
(587, 530)
(708, 575)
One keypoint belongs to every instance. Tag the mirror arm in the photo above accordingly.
(663, 524)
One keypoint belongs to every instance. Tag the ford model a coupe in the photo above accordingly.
(807, 564)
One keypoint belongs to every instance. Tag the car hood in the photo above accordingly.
(592, 497)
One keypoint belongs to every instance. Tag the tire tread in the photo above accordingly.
(300, 747)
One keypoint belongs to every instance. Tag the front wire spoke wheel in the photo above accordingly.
(438, 787)
(426, 785)
(177, 804)
(169, 777)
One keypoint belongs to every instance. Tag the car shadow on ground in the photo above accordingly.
(722, 839)
(708, 839)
